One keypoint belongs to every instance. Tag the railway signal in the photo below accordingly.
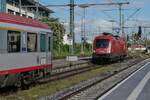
(139, 31)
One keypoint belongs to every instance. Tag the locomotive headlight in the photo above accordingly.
(109, 50)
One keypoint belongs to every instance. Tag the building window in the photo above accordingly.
(23, 15)
(10, 11)
(13, 2)
(30, 17)
(31, 42)
(14, 39)
(17, 13)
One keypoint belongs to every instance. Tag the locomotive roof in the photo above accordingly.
(108, 37)
(105, 37)
(19, 20)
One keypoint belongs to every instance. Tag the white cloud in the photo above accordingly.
(102, 23)
(93, 28)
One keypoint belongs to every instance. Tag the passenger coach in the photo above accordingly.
(25, 50)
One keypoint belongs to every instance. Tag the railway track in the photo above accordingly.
(60, 73)
(69, 66)
(71, 69)
(85, 88)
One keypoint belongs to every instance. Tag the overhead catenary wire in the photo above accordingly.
(130, 16)
(72, 5)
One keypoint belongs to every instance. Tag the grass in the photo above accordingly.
(64, 53)
(52, 87)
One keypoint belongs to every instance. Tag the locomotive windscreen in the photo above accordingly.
(102, 43)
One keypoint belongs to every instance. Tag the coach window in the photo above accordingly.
(31, 42)
(42, 42)
(14, 39)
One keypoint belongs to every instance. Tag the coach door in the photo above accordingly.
(43, 44)
(45, 48)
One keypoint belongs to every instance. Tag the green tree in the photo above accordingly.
(59, 49)
(58, 33)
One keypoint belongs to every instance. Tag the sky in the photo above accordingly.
(98, 17)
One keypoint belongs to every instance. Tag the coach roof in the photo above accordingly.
(8, 18)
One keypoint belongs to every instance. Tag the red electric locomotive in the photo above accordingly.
(108, 48)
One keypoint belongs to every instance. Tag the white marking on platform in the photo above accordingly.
(105, 95)
(139, 88)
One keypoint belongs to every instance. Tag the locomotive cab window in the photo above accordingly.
(43, 42)
(14, 40)
(102, 43)
(31, 42)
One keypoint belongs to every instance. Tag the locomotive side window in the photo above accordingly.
(14, 39)
(102, 43)
(42, 42)
(31, 42)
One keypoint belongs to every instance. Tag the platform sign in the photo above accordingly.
(70, 40)
(71, 58)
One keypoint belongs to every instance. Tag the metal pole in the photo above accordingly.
(82, 35)
(123, 34)
(84, 23)
(120, 16)
(112, 27)
(59, 48)
(72, 25)
(26, 11)
(84, 29)
(146, 38)
(37, 10)
(20, 6)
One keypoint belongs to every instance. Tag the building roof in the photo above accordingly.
(137, 46)
(13, 19)
(41, 5)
